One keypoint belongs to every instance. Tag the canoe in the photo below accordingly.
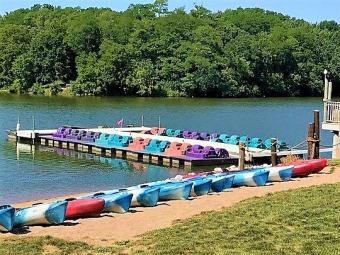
(7, 216)
(41, 214)
(84, 207)
(173, 190)
(141, 196)
(117, 202)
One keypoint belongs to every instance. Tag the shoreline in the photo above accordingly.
(6, 92)
(112, 227)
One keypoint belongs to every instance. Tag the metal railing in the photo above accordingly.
(332, 112)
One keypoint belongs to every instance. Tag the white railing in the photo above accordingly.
(332, 112)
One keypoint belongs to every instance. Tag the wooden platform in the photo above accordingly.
(129, 154)
(44, 137)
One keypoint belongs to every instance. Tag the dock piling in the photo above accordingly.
(310, 141)
(273, 149)
(316, 134)
(242, 155)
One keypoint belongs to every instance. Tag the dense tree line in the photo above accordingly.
(148, 50)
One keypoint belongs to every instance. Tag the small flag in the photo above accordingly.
(120, 122)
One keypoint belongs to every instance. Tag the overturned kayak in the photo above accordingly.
(280, 173)
(173, 190)
(305, 167)
(41, 214)
(201, 185)
(7, 216)
(84, 207)
(277, 173)
(251, 178)
(142, 195)
(117, 202)
(218, 183)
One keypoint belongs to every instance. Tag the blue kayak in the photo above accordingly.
(41, 214)
(118, 202)
(253, 178)
(276, 173)
(7, 216)
(201, 186)
(173, 190)
(141, 196)
(220, 183)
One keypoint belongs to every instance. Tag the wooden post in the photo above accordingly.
(273, 149)
(310, 140)
(242, 154)
(325, 95)
(316, 134)
(330, 88)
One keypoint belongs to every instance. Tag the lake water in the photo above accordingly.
(27, 174)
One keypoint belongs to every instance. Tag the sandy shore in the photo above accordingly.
(113, 227)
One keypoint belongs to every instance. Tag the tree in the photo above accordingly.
(143, 78)
(161, 7)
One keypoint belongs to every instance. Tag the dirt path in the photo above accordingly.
(113, 227)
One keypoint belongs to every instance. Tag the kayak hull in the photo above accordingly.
(250, 178)
(218, 183)
(141, 196)
(280, 173)
(201, 186)
(7, 217)
(118, 203)
(42, 214)
(173, 190)
(84, 207)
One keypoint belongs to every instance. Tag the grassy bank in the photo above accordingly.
(303, 221)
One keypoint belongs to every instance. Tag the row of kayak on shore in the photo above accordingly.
(148, 195)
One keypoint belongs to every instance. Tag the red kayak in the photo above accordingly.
(89, 207)
(317, 165)
(304, 168)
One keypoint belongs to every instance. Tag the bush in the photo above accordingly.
(56, 87)
(37, 89)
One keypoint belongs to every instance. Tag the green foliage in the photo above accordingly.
(37, 89)
(148, 50)
(56, 87)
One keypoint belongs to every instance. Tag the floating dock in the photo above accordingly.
(45, 138)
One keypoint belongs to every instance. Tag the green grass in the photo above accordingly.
(303, 221)
(334, 162)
